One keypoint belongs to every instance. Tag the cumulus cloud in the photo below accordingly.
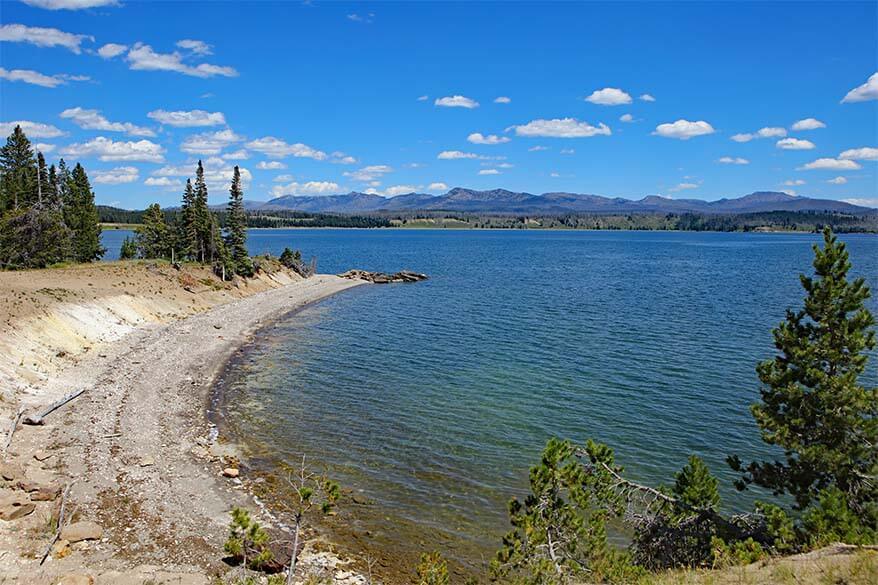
(210, 142)
(567, 151)
(43, 37)
(217, 173)
(437, 187)
(537, 148)
(32, 129)
(395, 190)
(270, 165)
(93, 120)
(309, 188)
(502, 100)
(837, 181)
(341, 158)
(44, 147)
(732, 160)
(865, 153)
(111, 50)
(767, 132)
(456, 101)
(561, 128)
(142, 57)
(684, 129)
(489, 172)
(188, 118)
(109, 150)
(164, 182)
(277, 148)
(239, 154)
(423, 98)
(808, 124)
(862, 202)
(867, 91)
(795, 144)
(195, 47)
(831, 164)
(69, 4)
(455, 155)
(479, 138)
(369, 173)
(647, 98)
(683, 187)
(116, 176)
(793, 182)
(37, 78)
(283, 178)
(626, 118)
(609, 96)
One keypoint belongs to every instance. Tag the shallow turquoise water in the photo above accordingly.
(433, 399)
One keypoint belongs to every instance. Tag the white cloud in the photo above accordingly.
(37, 78)
(865, 153)
(108, 150)
(791, 192)
(504, 165)
(683, 187)
(341, 158)
(795, 144)
(437, 187)
(44, 147)
(239, 154)
(793, 182)
(609, 96)
(210, 142)
(42, 37)
(455, 155)
(808, 124)
(143, 58)
(862, 202)
(567, 151)
(395, 190)
(730, 160)
(502, 100)
(31, 129)
(111, 50)
(537, 148)
(626, 118)
(93, 120)
(217, 173)
(867, 91)
(456, 101)
(188, 119)
(831, 164)
(165, 182)
(277, 148)
(489, 172)
(767, 132)
(309, 188)
(116, 176)
(270, 166)
(368, 19)
(283, 178)
(554, 175)
(561, 128)
(478, 138)
(684, 129)
(369, 173)
(423, 98)
(837, 181)
(647, 98)
(69, 4)
(196, 47)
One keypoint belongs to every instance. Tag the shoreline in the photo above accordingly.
(139, 445)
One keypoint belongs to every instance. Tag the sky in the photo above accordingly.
(683, 100)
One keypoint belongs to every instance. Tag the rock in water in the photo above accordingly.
(383, 277)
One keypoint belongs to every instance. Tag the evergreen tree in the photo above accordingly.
(33, 238)
(153, 236)
(18, 172)
(813, 406)
(202, 216)
(188, 228)
(695, 486)
(53, 198)
(64, 181)
(236, 228)
(82, 217)
(42, 178)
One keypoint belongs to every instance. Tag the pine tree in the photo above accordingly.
(18, 172)
(695, 486)
(53, 197)
(236, 227)
(42, 178)
(82, 217)
(34, 237)
(202, 216)
(188, 225)
(64, 181)
(813, 406)
(153, 236)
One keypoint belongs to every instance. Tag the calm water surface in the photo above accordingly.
(433, 399)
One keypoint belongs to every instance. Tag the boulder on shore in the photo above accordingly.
(383, 277)
(82, 531)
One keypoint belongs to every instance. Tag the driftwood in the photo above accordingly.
(15, 420)
(60, 527)
(37, 419)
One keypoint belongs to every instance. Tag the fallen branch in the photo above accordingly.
(37, 419)
(15, 420)
(60, 524)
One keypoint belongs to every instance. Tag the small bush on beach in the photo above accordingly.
(432, 570)
(248, 541)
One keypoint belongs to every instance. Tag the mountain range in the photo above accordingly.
(510, 202)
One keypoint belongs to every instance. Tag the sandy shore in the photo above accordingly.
(137, 446)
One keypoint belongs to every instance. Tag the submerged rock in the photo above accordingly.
(383, 277)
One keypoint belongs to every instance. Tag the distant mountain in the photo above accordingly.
(511, 202)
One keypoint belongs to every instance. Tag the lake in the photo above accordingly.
(431, 400)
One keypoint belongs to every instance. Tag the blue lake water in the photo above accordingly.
(433, 399)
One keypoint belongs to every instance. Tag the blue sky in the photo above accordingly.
(321, 98)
